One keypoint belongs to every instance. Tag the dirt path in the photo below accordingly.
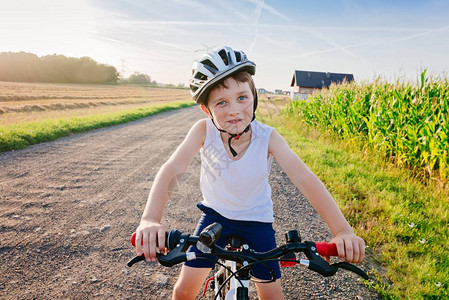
(67, 209)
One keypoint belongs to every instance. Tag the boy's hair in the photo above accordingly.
(240, 77)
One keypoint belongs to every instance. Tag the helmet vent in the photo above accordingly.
(210, 66)
(238, 57)
(193, 88)
(224, 57)
(200, 76)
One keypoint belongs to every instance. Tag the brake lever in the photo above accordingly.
(135, 260)
(178, 246)
(352, 268)
(177, 254)
(168, 260)
(317, 263)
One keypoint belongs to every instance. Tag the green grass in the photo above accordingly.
(404, 222)
(20, 136)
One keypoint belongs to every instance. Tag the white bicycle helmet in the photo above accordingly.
(215, 66)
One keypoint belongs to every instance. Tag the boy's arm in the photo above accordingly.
(350, 246)
(150, 229)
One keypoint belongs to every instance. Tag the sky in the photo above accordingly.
(393, 39)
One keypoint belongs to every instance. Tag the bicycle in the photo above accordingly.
(232, 276)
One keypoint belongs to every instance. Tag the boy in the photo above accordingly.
(236, 154)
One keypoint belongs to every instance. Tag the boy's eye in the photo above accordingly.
(221, 103)
(241, 98)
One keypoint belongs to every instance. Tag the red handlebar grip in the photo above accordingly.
(326, 249)
(133, 240)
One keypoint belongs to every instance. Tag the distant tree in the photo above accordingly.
(23, 66)
(19, 66)
(139, 78)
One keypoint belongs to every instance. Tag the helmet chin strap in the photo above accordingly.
(233, 135)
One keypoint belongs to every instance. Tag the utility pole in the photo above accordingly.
(123, 69)
(206, 48)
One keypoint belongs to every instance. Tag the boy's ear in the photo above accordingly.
(206, 110)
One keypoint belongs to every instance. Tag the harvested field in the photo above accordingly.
(18, 97)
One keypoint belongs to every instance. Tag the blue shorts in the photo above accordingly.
(257, 235)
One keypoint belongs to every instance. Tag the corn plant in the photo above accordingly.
(406, 123)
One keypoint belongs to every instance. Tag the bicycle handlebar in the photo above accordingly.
(178, 244)
(324, 249)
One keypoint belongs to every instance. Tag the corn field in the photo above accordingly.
(406, 123)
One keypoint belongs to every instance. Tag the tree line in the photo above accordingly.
(28, 67)
(139, 78)
(144, 79)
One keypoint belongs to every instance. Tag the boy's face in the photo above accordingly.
(231, 107)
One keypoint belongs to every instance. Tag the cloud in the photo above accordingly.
(427, 32)
(269, 9)
(256, 21)
(333, 49)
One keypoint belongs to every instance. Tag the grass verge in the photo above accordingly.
(20, 136)
(404, 222)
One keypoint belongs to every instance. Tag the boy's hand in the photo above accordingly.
(350, 247)
(149, 235)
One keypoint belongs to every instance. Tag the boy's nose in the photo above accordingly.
(233, 112)
(234, 109)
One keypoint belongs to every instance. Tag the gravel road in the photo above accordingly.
(68, 207)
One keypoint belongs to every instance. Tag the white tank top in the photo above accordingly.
(237, 190)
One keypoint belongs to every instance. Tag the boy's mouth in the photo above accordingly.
(234, 121)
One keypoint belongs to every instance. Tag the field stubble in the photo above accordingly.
(27, 102)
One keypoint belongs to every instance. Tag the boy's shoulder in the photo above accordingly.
(262, 126)
(200, 124)
(199, 128)
(197, 132)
